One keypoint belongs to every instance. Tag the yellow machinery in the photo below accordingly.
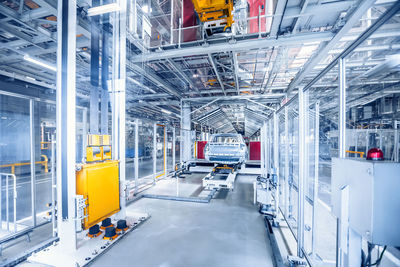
(99, 148)
(98, 181)
(214, 13)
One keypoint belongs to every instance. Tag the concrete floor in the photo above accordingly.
(226, 232)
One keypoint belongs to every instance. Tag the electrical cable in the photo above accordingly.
(366, 260)
(378, 261)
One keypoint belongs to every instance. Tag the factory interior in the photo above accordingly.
(176, 133)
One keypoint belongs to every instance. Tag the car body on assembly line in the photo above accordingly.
(226, 149)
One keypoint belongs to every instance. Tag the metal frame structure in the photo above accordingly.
(233, 83)
(285, 56)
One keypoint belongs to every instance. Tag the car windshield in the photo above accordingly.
(225, 139)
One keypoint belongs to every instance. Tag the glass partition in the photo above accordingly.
(177, 145)
(146, 136)
(130, 150)
(15, 163)
(160, 150)
(169, 141)
(293, 181)
(45, 129)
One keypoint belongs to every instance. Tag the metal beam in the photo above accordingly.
(152, 76)
(181, 73)
(362, 7)
(276, 21)
(379, 22)
(265, 106)
(212, 61)
(236, 68)
(245, 45)
(235, 97)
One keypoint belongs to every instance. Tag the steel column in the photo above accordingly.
(154, 152)
(263, 144)
(136, 155)
(94, 110)
(316, 179)
(396, 141)
(287, 192)
(84, 134)
(118, 85)
(185, 132)
(33, 159)
(276, 162)
(66, 124)
(302, 156)
(342, 108)
(173, 147)
(287, 212)
(53, 185)
(172, 23)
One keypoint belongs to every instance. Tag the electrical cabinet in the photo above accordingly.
(369, 192)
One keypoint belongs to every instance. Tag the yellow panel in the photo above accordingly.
(93, 153)
(106, 140)
(106, 152)
(93, 140)
(99, 184)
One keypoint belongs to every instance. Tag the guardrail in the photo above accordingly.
(44, 163)
(7, 176)
(356, 152)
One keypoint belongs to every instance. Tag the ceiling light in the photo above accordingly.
(166, 111)
(146, 9)
(98, 10)
(40, 63)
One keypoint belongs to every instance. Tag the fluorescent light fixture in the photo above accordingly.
(99, 10)
(146, 9)
(166, 111)
(40, 63)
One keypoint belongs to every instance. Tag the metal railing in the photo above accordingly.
(7, 177)
(44, 163)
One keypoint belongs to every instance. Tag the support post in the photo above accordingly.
(94, 110)
(136, 155)
(185, 132)
(276, 162)
(154, 152)
(172, 23)
(118, 85)
(53, 186)
(33, 159)
(66, 124)
(287, 192)
(349, 241)
(316, 180)
(342, 108)
(165, 151)
(302, 161)
(173, 148)
(84, 134)
(263, 142)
